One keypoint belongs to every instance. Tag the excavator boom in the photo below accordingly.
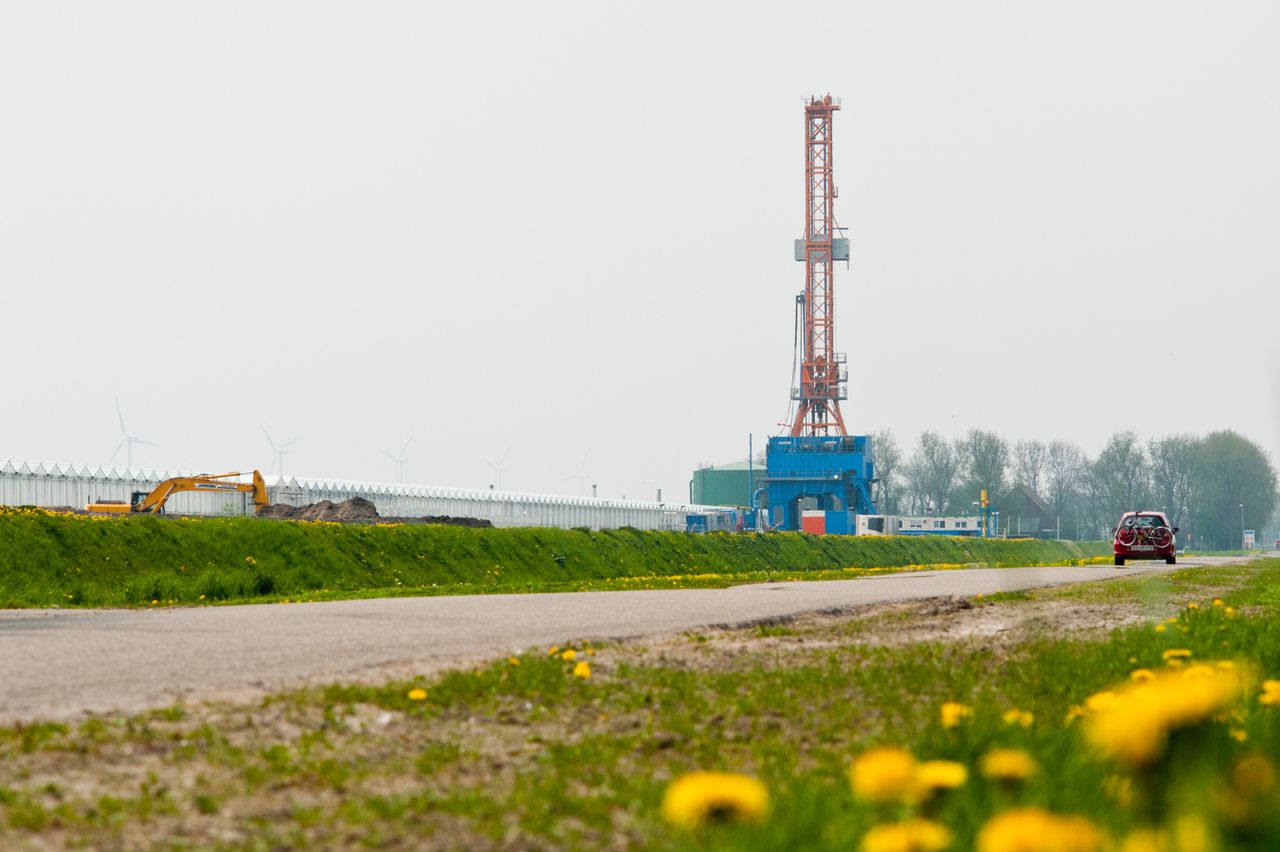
(153, 502)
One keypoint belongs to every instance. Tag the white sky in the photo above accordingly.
(563, 230)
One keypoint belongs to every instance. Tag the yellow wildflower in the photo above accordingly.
(1239, 734)
(1018, 717)
(1074, 713)
(941, 774)
(1217, 601)
(694, 799)
(1008, 764)
(1270, 693)
(1160, 628)
(1193, 605)
(952, 712)
(913, 835)
(569, 655)
(1176, 653)
(515, 661)
(885, 774)
(582, 670)
(1145, 840)
(1229, 612)
(417, 694)
(1134, 726)
(553, 650)
(1141, 675)
(1038, 830)
(1100, 700)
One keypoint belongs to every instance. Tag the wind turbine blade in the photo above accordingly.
(120, 414)
(503, 460)
(406, 445)
(268, 434)
(294, 441)
(148, 443)
(112, 460)
(388, 455)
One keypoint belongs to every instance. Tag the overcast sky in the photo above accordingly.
(562, 231)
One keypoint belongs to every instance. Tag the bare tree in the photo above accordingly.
(1065, 472)
(1121, 476)
(1029, 460)
(888, 459)
(986, 460)
(1173, 474)
(931, 473)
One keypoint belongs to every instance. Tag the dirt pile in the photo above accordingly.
(356, 510)
(352, 509)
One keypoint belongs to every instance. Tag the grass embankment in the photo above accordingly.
(74, 560)
(524, 754)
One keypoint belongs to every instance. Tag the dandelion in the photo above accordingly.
(251, 560)
(1193, 605)
(1038, 830)
(1176, 653)
(1008, 764)
(697, 798)
(952, 713)
(553, 650)
(1018, 717)
(515, 661)
(582, 670)
(417, 694)
(1142, 675)
(1238, 734)
(941, 775)
(1134, 726)
(1217, 601)
(1270, 693)
(569, 655)
(1229, 612)
(885, 774)
(913, 835)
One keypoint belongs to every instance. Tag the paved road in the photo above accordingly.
(58, 664)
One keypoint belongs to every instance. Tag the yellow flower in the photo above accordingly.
(582, 670)
(1217, 601)
(1074, 713)
(1229, 611)
(1018, 717)
(1100, 700)
(251, 560)
(1145, 840)
(1038, 830)
(1141, 675)
(952, 712)
(417, 694)
(1270, 693)
(553, 650)
(515, 661)
(697, 798)
(569, 655)
(941, 774)
(885, 774)
(913, 835)
(1134, 726)
(1008, 764)
(1239, 734)
(1174, 653)
(1193, 605)
(1160, 628)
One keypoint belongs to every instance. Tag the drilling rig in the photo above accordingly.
(818, 476)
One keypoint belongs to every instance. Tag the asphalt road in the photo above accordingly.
(60, 664)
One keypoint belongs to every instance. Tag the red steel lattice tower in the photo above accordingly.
(823, 371)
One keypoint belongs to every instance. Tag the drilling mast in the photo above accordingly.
(823, 373)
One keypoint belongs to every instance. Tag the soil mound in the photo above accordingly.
(357, 510)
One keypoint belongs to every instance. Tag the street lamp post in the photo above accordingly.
(1077, 523)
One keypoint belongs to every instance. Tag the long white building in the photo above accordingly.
(32, 483)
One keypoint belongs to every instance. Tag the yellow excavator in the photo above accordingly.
(153, 502)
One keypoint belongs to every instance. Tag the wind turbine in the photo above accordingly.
(581, 475)
(400, 459)
(279, 452)
(499, 468)
(126, 440)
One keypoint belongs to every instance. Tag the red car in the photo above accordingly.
(1145, 535)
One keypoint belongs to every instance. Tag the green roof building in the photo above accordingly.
(724, 485)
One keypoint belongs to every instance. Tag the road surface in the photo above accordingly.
(60, 664)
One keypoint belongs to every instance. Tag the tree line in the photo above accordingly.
(1200, 482)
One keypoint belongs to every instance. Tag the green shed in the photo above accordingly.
(724, 484)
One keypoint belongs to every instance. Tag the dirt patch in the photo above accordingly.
(356, 510)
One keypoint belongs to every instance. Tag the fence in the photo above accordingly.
(24, 483)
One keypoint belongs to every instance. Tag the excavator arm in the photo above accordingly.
(154, 502)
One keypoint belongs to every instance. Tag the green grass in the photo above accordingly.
(525, 754)
(72, 560)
